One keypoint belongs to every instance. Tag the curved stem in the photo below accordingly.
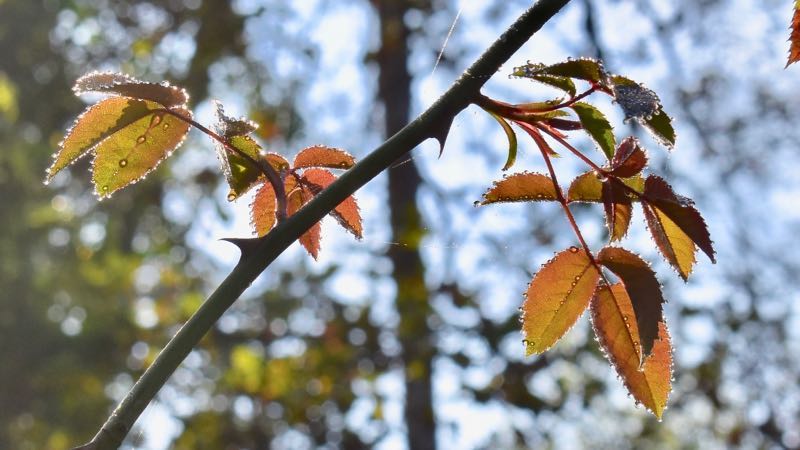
(263, 166)
(258, 254)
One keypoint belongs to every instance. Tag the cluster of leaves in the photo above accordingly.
(140, 124)
(626, 312)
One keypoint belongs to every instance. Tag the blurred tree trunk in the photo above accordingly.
(394, 91)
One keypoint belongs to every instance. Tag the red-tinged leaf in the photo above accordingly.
(794, 38)
(512, 140)
(296, 198)
(643, 289)
(130, 153)
(537, 138)
(321, 156)
(618, 208)
(263, 210)
(598, 127)
(629, 159)
(521, 187)
(676, 226)
(614, 325)
(97, 123)
(588, 187)
(278, 162)
(120, 84)
(556, 298)
(347, 212)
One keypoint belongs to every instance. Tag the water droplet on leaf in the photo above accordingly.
(141, 139)
(573, 249)
(123, 162)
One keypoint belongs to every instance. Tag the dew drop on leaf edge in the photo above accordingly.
(573, 249)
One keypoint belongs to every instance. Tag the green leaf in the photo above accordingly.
(512, 140)
(598, 127)
(612, 314)
(588, 187)
(130, 153)
(120, 84)
(582, 68)
(660, 126)
(643, 289)
(636, 101)
(556, 298)
(521, 187)
(95, 124)
(563, 83)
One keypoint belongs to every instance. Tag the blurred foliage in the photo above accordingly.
(91, 290)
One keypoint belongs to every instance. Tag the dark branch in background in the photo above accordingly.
(258, 254)
(263, 166)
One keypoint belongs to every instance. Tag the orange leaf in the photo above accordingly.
(556, 298)
(296, 198)
(643, 289)
(521, 187)
(347, 212)
(588, 187)
(676, 226)
(618, 209)
(612, 313)
(263, 210)
(120, 84)
(794, 38)
(629, 159)
(321, 156)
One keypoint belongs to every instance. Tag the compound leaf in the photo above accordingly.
(346, 213)
(598, 127)
(612, 319)
(643, 289)
(676, 225)
(120, 84)
(130, 153)
(556, 297)
(322, 156)
(521, 187)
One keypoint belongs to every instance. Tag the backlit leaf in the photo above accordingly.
(582, 68)
(263, 210)
(636, 101)
(130, 153)
(556, 298)
(794, 38)
(347, 212)
(296, 198)
(629, 159)
(228, 126)
(563, 83)
(512, 140)
(95, 124)
(643, 289)
(598, 127)
(588, 187)
(618, 208)
(127, 86)
(322, 156)
(615, 327)
(240, 172)
(676, 226)
(521, 187)
(660, 125)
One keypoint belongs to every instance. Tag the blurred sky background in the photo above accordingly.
(356, 350)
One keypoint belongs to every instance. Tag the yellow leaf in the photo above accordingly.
(556, 297)
(616, 329)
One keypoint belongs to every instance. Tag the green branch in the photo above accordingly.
(258, 254)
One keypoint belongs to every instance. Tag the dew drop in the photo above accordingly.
(141, 139)
(573, 249)
(155, 120)
(105, 188)
(165, 126)
(476, 203)
(231, 197)
(123, 162)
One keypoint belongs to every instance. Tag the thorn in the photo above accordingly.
(440, 134)
(246, 245)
